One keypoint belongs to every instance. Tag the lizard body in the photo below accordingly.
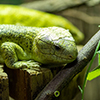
(22, 46)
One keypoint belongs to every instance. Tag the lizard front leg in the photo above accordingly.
(12, 53)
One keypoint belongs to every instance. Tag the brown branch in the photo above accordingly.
(52, 5)
(81, 15)
(64, 77)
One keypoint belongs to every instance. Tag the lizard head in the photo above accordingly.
(55, 45)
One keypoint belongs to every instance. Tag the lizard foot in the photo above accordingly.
(27, 64)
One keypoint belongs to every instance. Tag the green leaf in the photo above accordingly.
(93, 74)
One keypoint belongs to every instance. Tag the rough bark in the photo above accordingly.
(4, 86)
(24, 84)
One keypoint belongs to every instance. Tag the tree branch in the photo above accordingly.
(81, 15)
(64, 77)
(52, 5)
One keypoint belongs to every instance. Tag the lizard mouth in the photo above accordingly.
(65, 59)
(55, 59)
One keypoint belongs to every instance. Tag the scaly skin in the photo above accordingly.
(30, 46)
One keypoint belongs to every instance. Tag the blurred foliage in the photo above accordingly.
(10, 14)
(11, 1)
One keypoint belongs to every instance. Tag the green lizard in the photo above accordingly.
(22, 46)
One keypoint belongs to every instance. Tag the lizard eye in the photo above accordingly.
(70, 57)
(57, 47)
